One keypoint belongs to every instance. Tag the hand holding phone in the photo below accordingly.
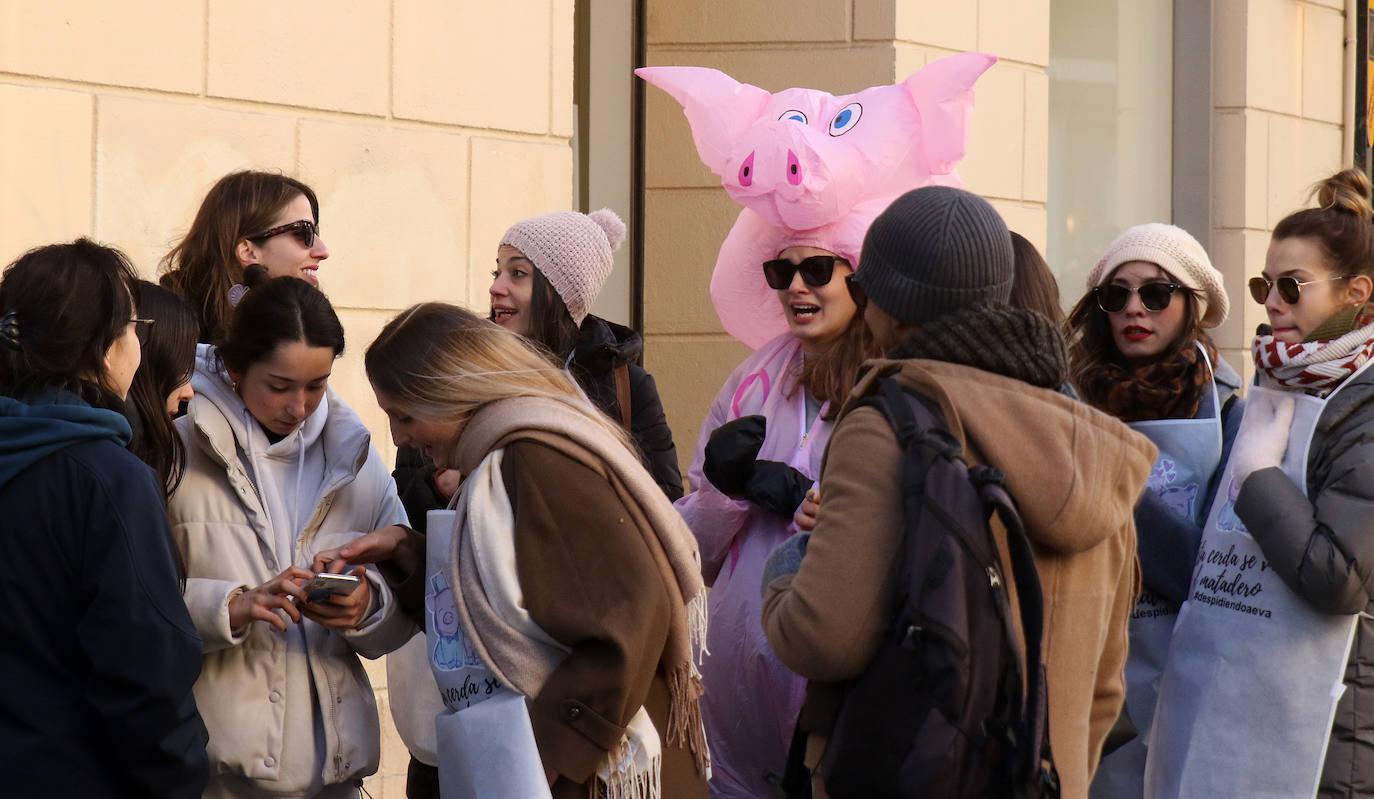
(344, 602)
(325, 585)
(270, 600)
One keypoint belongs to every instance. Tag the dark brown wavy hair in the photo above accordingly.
(204, 265)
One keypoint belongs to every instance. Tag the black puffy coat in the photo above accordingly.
(601, 347)
(1323, 549)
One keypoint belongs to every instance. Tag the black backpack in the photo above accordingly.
(945, 708)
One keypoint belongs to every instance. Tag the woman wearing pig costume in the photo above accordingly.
(812, 171)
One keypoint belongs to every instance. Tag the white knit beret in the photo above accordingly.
(1175, 251)
(572, 250)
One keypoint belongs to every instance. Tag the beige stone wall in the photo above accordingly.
(839, 46)
(424, 134)
(1279, 82)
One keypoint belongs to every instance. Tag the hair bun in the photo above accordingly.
(255, 275)
(611, 225)
(1347, 190)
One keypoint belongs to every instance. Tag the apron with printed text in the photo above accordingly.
(1189, 454)
(1254, 673)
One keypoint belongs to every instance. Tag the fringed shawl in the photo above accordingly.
(666, 535)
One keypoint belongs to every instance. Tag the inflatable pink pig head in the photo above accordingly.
(811, 168)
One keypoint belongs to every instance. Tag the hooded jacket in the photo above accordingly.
(601, 347)
(100, 653)
(290, 712)
(1075, 474)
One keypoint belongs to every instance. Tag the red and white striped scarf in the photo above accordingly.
(1315, 367)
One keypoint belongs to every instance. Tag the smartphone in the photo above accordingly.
(325, 585)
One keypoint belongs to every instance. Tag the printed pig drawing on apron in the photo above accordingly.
(1189, 453)
(1253, 673)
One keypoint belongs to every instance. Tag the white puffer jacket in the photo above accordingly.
(254, 690)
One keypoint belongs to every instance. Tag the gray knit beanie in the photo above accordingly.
(572, 250)
(934, 251)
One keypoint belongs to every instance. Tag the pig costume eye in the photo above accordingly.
(794, 116)
(846, 119)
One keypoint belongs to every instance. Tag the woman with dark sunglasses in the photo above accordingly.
(758, 453)
(1266, 689)
(1139, 353)
(247, 218)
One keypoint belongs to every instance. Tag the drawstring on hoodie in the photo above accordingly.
(294, 504)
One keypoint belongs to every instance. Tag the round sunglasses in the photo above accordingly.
(1290, 288)
(304, 230)
(815, 271)
(1112, 297)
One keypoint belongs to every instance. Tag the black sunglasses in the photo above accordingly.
(856, 292)
(304, 230)
(1290, 288)
(815, 271)
(1112, 297)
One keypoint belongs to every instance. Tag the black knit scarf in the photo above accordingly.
(1012, 342)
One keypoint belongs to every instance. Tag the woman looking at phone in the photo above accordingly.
(277, 469)
(566, 589)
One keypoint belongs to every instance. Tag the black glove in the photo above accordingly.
(730, 454)
(777, 487)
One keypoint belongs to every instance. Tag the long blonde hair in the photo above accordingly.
(442, 363)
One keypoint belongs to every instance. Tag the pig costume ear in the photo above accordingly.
(814, 169)
(718, 107)
(943, 94)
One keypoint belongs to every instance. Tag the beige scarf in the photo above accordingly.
(506, 649)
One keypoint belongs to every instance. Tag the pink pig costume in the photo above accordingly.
(811, 170)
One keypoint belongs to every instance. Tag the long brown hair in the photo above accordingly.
(204, 265)
(1343, 224)
(1033, 285)
(169, 357)
(831, 374)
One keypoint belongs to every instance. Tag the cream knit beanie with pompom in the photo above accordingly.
(572, 250)
(1174, 250)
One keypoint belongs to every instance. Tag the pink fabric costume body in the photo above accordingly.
(810, 169)
(752, 700)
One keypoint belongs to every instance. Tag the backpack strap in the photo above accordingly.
(622, 394)
(1039, 763)
(922, 445)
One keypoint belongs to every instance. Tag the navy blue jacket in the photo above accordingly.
(97, 650)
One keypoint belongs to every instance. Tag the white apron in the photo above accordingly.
(485, 741)
(1189, 454)
(1254, 673)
